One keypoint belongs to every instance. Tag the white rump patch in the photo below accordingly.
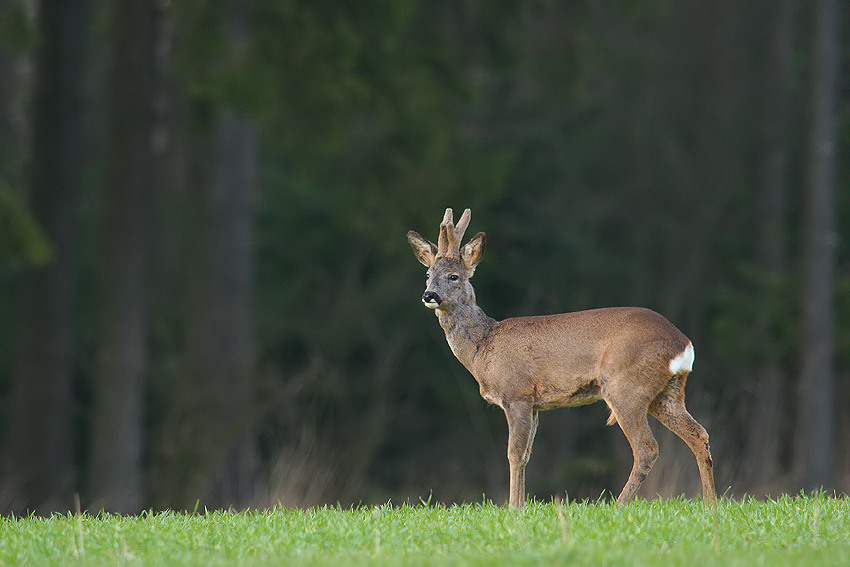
(684, 361)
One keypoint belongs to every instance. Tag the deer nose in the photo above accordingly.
(431, 297)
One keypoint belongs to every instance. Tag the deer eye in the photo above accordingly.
(453, 277)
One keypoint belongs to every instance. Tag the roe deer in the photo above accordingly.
(631, 357)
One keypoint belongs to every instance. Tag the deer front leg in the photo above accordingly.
(522, 425)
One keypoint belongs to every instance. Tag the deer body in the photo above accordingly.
(632, 358)
(569, 359)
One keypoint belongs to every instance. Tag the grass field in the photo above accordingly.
(803, 530)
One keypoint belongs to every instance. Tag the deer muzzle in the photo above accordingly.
(431, 299)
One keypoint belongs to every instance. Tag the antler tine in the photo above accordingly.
(451, 235)
(444, 243)
(460, 228)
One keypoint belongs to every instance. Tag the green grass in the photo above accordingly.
(803, 530)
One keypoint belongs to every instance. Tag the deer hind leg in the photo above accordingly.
(522, 426)
(644, 450)
(632, 420)
(669, 408)
(535, 420)
(628, 395)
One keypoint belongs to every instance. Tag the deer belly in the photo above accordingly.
(551, 396)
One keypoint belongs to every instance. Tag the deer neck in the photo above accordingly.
(466, 327)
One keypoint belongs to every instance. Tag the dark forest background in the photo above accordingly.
(207, 294)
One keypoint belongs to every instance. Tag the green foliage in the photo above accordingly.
(755, 317)
(376, 127)
(22, 240)
(16, 31)
(788, 531)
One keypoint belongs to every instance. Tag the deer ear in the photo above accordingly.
(424, 249)
(472, 252)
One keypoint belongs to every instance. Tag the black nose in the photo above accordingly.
(431, 297)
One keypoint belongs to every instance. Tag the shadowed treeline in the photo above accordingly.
(208, 295)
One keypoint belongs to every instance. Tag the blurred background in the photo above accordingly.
(208, 299)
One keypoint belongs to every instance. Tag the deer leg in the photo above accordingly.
(522, 425)
(669, 409)
(644, 448)
(535, 419)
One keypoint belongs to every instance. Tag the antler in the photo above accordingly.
(448, 244)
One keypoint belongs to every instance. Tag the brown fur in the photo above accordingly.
(527, 364)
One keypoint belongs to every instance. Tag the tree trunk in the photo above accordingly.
(228, 337)
(42, 443)
(208, 457)
(763, 442)
(115, 476)
(815, 407)
(211, 458)
(10, 81)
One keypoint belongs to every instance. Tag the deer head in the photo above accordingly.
(450, 266)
